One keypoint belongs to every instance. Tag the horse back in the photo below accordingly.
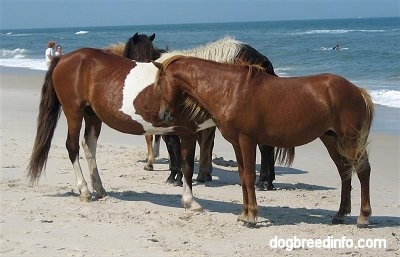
(87, 73)
(93, 78)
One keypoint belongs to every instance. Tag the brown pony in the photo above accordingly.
(251, 107)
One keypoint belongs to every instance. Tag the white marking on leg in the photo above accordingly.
(188, 200)
(89, 148)
(140, 77)
(80, 180)
(187, 195)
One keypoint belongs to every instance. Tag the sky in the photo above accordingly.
(20, 14)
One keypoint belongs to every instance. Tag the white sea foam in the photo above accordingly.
(11, 34)
(81, 32)
(385, 97)
(34, 64)
(336, 31)
(17, 53)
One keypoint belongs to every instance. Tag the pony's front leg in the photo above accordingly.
(89, 144)
(188, 146)
(246, 158)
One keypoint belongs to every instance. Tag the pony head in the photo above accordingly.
(176, 102)
(140, 48)
(166, 91)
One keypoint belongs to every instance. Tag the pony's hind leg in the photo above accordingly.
(156, 146)
(365, 209)
(330, 142)
(89, 144)
(173, 144)
(74, 120)
(267, 170)
(350, 157)
(150, 154)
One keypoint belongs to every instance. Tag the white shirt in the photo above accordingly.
(48, 55)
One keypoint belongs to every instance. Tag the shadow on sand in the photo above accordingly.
(273, 215)
(268, 216)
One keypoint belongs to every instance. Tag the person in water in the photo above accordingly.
(337, 47)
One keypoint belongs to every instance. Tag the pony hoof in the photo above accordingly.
(86, 199)
(249, 224)
(101, 195)
(264, 186)
(177, 183)
(247, 220)
(148, 167)
(196, 207)
(362, 223)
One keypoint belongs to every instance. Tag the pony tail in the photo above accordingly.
(359, 157)
(49, 112)
(284, 156)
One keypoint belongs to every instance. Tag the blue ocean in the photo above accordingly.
(368, 52)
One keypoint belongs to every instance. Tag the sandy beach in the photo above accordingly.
(143, 216)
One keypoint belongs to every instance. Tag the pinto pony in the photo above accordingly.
(251, 107)
(95, 86)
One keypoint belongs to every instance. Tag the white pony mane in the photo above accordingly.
(222, 50)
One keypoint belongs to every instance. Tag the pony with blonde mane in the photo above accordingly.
(230, 50)
(338, 112)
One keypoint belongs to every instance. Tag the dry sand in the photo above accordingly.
(142, 216)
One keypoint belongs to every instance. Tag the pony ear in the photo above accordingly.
(157, 64)
(152, 36)
(135, 37)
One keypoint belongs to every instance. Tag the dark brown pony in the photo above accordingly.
(251, 107)
(140, 48)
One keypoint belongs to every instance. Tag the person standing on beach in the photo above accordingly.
(58, 51)
(49, 53)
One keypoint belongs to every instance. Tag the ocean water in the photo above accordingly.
(369, 48)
